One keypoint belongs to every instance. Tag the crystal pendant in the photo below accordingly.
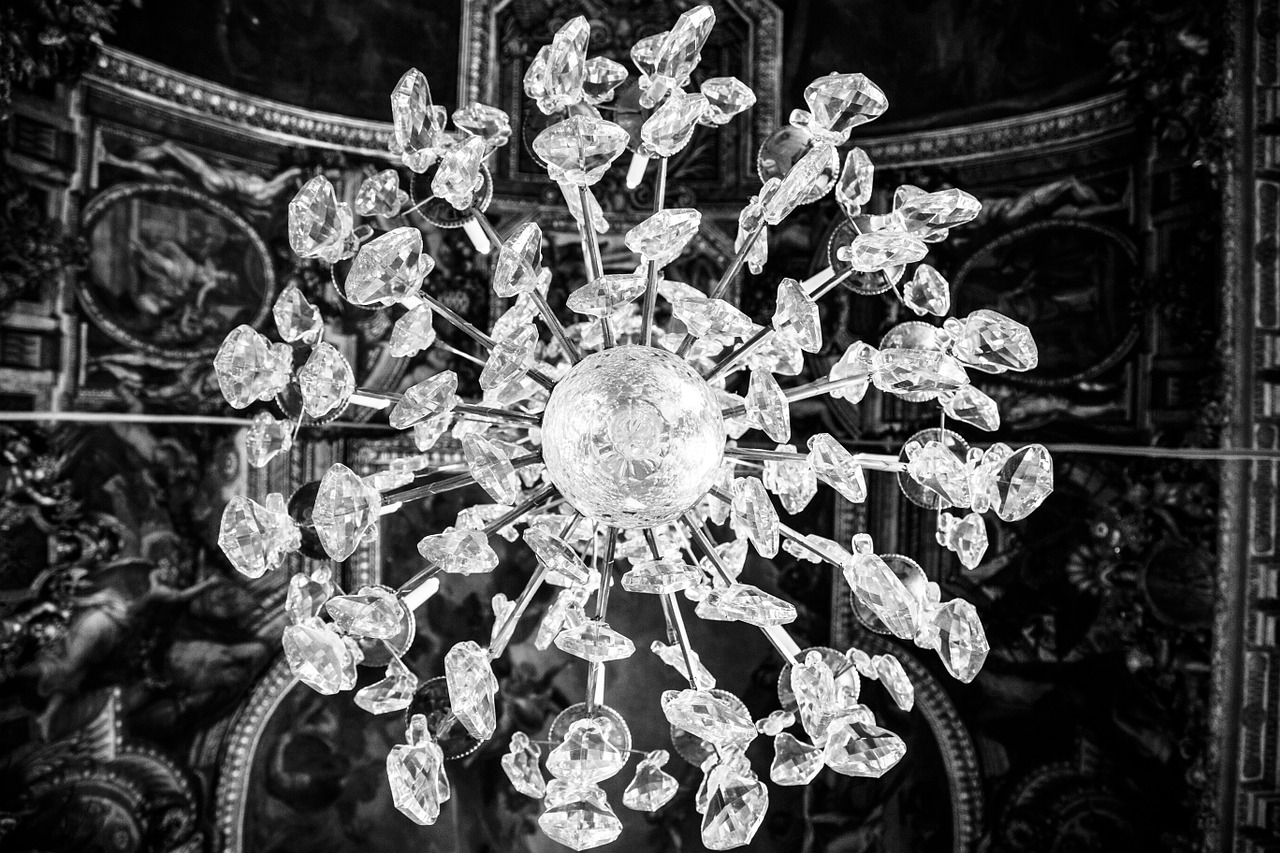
(594, 218)
(565, 67)
(733, 554)
(346, 510)
(927, 292)
(296, 318)
(814, 686)
(319, 225)
(793, 482)
(935, 467)
(876, 586)
(393, 693)
(740, 602)
(726, 97)
(380, 195)
(917, 371)
(602, 76)
(510, 359)
(580, 819)
(388, 269)
(955, 631)
(880, 250)
(967, 537)
(372, 613)
(894, 678)
(558, 556)
(250, 368)
(669, 129)
(652, 787)
(774, 724)
(705, 317)
(673, 657)
(942, 209)
(579, 149)
(266, 439)
(757, 254)
(984, 474)
(973, 407)
(668, 63)
(320, 657)
(308, 593)
(794, 761)
(606, 294)
(797, 313)
(564, 611)
(415, 772)
(521, 766)
(326, 381)
(798, 184)
(472, 686)
(661, 577)
(587, 754)
(491, 469)
(706, 716)
(858, 360)
(595, 642)
(417, 123)
(517, 269)
(752, 510)
(1024, 481)
(413, 332)
(458, 176)
(430, 398)
(853, 189)
(256, 538)
(840, 102)
(459, 552)
(991, 342)
(663, 236)
(767, 406)
(736, 805)
(489, 124)
(837, 467)
(860, 749)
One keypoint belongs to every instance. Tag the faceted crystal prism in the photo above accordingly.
(916, 371)
(326, 380)
(389, 268)
(876, 586)
(894, 678)
(662, 237)
(971, 406)
(320, 657)
(1024, 481)
(659, 577)
(927, 292)
(510, 359)
(415, 772)
(652, 787)
(417, 123)
(752, 510)
(413, 332)
(669, 129)
(251, 368)
(519, 260)
(668, 63)
(491, 468)
(595, 642)
(372, 613)
(606, 294)
(296, 318)
(587, 755)
(798, 184)
(673, 657)
(308, 593)
(861, 749)
(565, 67)
(794, 761)
(489, 124)
(736, 805)
(858, 360)
(984, 475)
(472, 687)
(380, 195)
(579, 149)
(459, 552)
(601, 78)
(558, 556)
(880, 250)
(935, 467)
(430, 398)
(767, 406)
(346, 510)
(705, 715)
(742, 602)
(726, 97)
(841, 102)
(798, 314)
(458, 177)
(943, 209)
(837, 467)
(521, 766)
(319, 226)
(853, 189)
(392, 693)
(775, 723)
(580, 820)
(956, 632)
(428, 432)
(793, 482)
(967, 537)
(814, 686)
(990, 341)
(705, 317)
(266, 439)
(256, 538)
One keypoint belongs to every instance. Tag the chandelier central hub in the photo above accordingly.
(632, 436)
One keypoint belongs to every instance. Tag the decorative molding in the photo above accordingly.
(123, 73)
(1036, 134)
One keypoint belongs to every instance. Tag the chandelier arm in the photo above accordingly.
(553, 323)
(517, 463)
(427, 490)
(676, 631)
(590, 243)
(485, 225)
(500, 415)
(704, 542)
(460, 353)
(595, 669)
(503, 635)
(606, 333)
(804, 392)
(457, 320)
(871, 461)
(717, 292)
(651, 270)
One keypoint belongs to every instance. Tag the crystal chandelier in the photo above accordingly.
(615, 444)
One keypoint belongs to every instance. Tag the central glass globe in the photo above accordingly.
(632, 436)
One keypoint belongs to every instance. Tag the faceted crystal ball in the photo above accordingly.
(632, 436)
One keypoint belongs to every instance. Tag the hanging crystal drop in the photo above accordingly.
(595, 642)
(472, 686)
(880, 250)
(798, 314)
(860, 749)
(297, 320)
(319, 225)
(601, 77)
(767, 406)
(652, 787)
(346, 510)
(521, 766)
(489, 124)
(669, 129)
(876, 586)
(580, 818)
(927, 292)
(971, 406)
(491, 468)
(853, 188)
(415, 772)
(705, 715)
(673, 657)
(266, 439)
(326, 380)
(579, 149)
(705, 317)
(858, 360)
(740, 602)
(308, 593)
(840, 102)
(1024, 481)
(837, 467)
(458, 177)
(389, 268)
(942, 209)
(372, 612)
(558, 556)
(251, 368)
(989, 341)
(510, 359)
(587, 754)
(430, 398)
(736, 805)
(955, 631)
(392, 693)
(417, 123)
(660, 577)
(663, 236)
(726, 97)
(413, 332)
(256, 538)
(753, 511)
(794, 761)
(320, 657)
(380, 195)
(459, 552)
(814, 686)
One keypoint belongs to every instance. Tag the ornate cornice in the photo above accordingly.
(120, 72)
(1035, 134)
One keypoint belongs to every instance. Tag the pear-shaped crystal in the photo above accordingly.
(794, 761)
(742, 602)
(472, 686)
(709, 717)
(956, 632)
(580, 819)
(428, 432)
(773, 724)
(857, 361)
(971, 406)
(392, 693)
(990, 341)
(388, 269)
(579, 149)
(380, 195)
(558, 556)
(492, 468)
(519, 260)
(373, 613)
(736, 805)
(942, 209)
(320, 657)
(430, 398)
(894, 678)
(937, 468)
(266, 438)
(752, 511)
(841, 102)
(510, 359)
(673, 657)
(1024, 481)
(251, 368)
(417, 123)
(927, 292)
(767, 406)
(308, 593)
(793, 482)
(565, 67)
(880, 250)
(797, 186)
(814, 686)
(967, 537)
(587, 755)
(296, 318)
(916, 371)
(413, 332)
(606, 294)
(663, 236)
(668, 62)
(488, 124)
(837, 467)
(458, 177)
(415, 772)
(346, 509)
(876, 586)
(602, 76)
(704, 317)
(319, 226)
(521, 766)
(860, 749)
(326, 380)
(659, 577)
(652, 787)
(460, 552)
(669, 129)
(595, 642)
(797, 313)
(853, 189)
(256, 538)
(726, 97)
